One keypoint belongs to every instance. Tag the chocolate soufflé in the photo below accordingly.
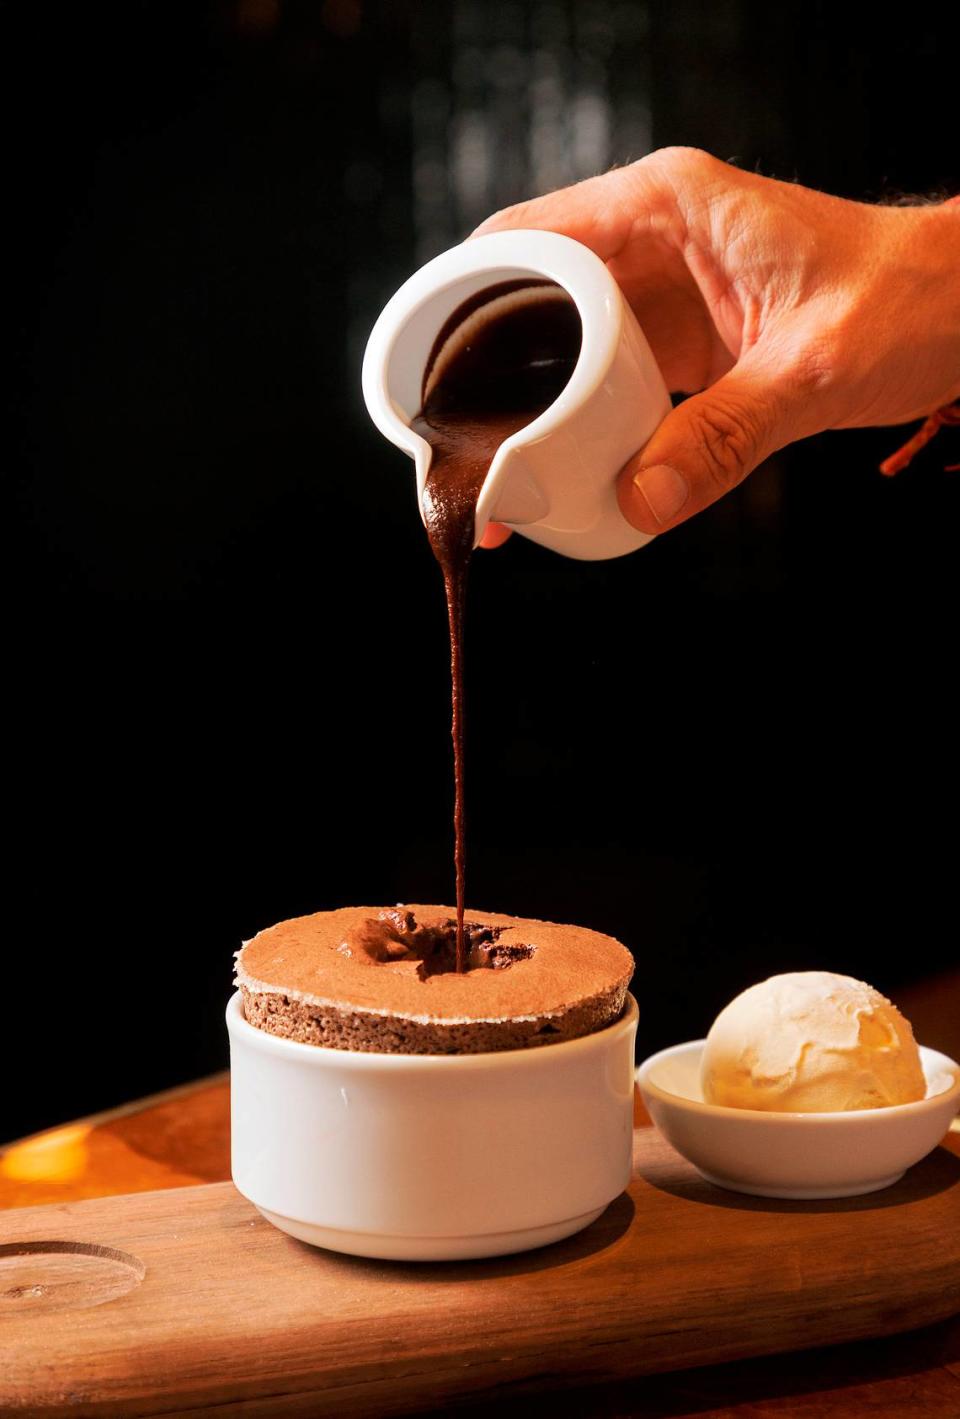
(382, 980)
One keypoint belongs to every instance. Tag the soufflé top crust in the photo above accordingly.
(383, 980)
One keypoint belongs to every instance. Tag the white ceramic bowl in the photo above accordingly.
(799, 1155)
(431, 1157)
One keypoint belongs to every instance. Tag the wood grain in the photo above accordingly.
(172, 1139)
(234, 1317)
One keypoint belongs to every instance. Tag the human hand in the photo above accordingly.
(782, 311)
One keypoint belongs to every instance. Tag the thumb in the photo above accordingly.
(705, 447)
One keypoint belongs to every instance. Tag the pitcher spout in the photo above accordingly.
(511, 492)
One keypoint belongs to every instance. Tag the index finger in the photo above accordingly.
(601, 212)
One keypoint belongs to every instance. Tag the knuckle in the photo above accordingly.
(683, 161)
(729, 441)
(815, 366)
(694, 181)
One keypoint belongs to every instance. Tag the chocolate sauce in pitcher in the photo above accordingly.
(499, 361)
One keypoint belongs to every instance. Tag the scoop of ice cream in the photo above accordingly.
(811, 1042)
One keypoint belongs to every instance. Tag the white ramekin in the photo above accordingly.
(799, 1155)
(431, 1157)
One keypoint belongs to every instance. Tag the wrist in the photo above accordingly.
(939, 238)
(921, 262)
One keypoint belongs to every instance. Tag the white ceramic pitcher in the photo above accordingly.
(555, 479)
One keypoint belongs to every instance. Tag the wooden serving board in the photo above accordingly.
(187, 1302)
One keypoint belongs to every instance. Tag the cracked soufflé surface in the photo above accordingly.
(381, 980)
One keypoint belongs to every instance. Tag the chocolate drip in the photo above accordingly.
(485, 379)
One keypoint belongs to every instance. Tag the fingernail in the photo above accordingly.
(663, 490)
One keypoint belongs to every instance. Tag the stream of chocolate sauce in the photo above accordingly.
(479, 389)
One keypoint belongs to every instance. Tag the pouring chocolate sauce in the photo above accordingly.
(498, 362)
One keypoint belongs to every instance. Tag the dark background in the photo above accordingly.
(226, 692)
